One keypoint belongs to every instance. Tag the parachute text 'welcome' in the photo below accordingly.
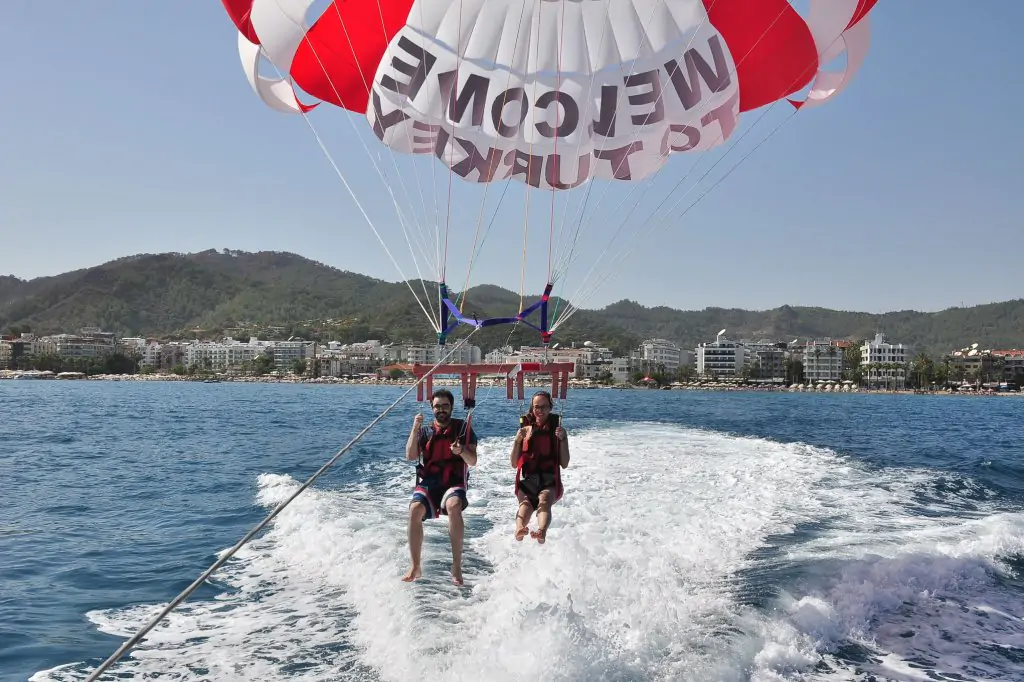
(618, 124)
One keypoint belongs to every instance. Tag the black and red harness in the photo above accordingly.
(437, 461)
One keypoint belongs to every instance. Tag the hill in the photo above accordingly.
(175, 295)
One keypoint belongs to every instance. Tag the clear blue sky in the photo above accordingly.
(129, 127)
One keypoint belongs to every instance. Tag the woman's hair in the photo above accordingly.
(547, 396)
(528, 418)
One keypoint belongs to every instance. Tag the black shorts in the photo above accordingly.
(532, 485)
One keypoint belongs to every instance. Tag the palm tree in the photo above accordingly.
(853, 369)
(890, 375)
(999, 367)
(922, 367)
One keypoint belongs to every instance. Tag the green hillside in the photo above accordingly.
(175, 295)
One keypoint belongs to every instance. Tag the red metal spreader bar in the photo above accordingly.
(559, 372)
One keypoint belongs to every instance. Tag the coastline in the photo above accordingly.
(454, 382)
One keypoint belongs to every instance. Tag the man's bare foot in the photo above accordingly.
(413, 574)
(539, 535)
(521, 532)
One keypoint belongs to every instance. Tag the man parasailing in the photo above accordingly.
(446, 450)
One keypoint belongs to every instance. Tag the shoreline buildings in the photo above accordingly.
(873, 362)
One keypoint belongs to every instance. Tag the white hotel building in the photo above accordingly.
(880, 352)
(661, 354)
(720, 357)
(226, 354)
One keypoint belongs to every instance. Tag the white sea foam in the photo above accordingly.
(644, 577)
(931, 607)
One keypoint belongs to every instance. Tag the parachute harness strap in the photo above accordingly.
(270, 517)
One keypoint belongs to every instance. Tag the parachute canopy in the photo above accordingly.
(555, 92)
(546, 94)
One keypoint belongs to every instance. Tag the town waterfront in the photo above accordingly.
(726, 536)
(530, 382)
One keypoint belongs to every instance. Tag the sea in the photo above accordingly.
(702, 536)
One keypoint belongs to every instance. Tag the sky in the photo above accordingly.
(128, 127)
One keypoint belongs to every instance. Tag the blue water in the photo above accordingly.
(728, 536)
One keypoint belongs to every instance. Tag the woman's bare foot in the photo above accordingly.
(521, 532)
(539, 535)
(413, 574)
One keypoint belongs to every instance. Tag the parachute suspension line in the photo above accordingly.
(486, 231)
(451, 142)
(556, 275)
(461, 298)
(421, 242)
(526, 232)
(649, 181)
(646, 185)
(408, 134)
(477, 239)
(433, 167)
(433, 174)
(450, 310)
(138, 636)
(545, 332)
(663, 218)
(694, 203)
(508, 339)
(565, 259)
(535, 43)
(341, 176)
(578, 218)
(558, 88)
(577, 304)
(380, 174)
(366, 86)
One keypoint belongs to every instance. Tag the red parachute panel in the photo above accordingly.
(771, 45)
(863, 7)
(344, 46)
(768, 39)
(239, 11)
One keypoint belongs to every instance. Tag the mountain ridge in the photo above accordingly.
(180, 295)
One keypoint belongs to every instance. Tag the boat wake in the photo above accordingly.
(676, 554)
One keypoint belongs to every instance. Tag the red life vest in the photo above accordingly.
(437, 459)
(535, 458)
